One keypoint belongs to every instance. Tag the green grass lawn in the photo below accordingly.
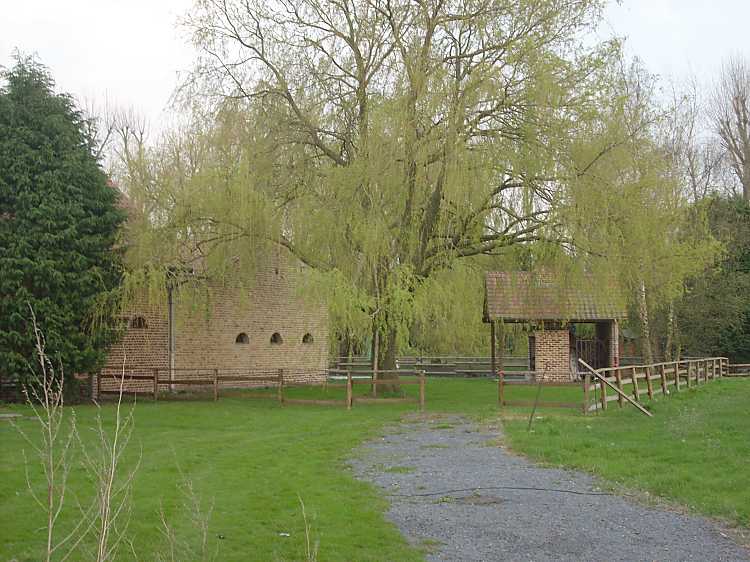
(695, 450)
(251, 459)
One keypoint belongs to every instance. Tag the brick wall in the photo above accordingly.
(141, 349)
(205, 335)
(553, 353)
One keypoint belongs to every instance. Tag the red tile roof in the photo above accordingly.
(519, 296)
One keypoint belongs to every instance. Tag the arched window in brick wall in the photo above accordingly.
(242, 338)
(307, 338)
(138, 323)
(276, 338)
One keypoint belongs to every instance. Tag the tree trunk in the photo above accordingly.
(668, 355)
(648, 355)
(384, 358)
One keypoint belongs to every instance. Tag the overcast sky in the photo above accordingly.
(132, 51)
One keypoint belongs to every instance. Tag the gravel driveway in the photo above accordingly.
(456, 493)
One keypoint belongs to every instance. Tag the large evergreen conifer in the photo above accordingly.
(58, 224)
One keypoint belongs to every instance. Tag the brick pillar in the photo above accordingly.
(552, 354)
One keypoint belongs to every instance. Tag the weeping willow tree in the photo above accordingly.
(380, 141)
(630, 212)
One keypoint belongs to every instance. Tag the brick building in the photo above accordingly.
(551, 311)
(258, 330)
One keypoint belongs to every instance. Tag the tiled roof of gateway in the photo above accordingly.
(517, 296)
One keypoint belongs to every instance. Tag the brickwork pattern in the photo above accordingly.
(553, 354)
(205, 339)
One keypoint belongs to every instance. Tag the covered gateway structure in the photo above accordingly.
(551, 308)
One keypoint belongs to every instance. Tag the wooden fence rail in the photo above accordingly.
(150, 385)
(652, 380)
(619, 384)
(739, 370)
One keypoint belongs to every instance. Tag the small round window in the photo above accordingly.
(276, 338)
(242, 338)
(138, 322)
(307, 338)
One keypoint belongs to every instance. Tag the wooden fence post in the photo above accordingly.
(634, 380)
(603, 388)
(649, 385)
(677, 376)
(156, 384)
(281, 387)
(618, 377)
(421, 391)
(216, 385)
(501, 388)
(375, 383)
(663, 375)
(349, 398)
(586, 385)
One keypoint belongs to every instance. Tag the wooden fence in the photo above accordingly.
(637, 381)
(448, 365)
(155, 384)
(651, 380)
(436, 366)
(739, 370)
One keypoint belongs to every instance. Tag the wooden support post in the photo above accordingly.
(349, 398)
(634, 380)
(421, 391)
(501, 389)
(586, 385)
(376, 352)
(689, 374)
(216, 385)
(618, 377)
(98, 385)
(613, 387)
(603, 391)
(280, 390)
(493, 339)
(649, 386)
(663, 375)
(156, 384)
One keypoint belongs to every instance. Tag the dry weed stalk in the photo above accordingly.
(108, 513)
(200, 517)
(113, 492)
(311, 550)
(44, 396)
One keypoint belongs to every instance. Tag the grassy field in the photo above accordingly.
(251, 459)
(695, 450)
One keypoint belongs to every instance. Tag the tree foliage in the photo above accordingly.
(58, 226)
(389, 144)
(390, 138)
(714, 315)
